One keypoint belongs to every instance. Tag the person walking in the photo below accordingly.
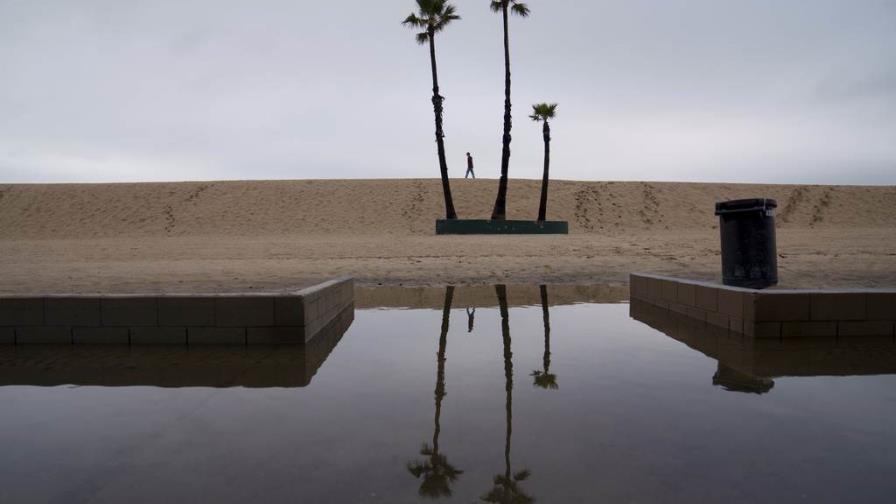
(469, 167)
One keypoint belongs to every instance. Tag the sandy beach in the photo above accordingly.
(276, 235)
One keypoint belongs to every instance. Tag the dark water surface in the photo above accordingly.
(403, 408)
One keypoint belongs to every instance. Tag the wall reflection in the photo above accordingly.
(749, 365)
(172, 366)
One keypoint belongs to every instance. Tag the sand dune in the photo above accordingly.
(405, 207)
(270, 235)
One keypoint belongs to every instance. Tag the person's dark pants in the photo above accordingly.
(470, 173)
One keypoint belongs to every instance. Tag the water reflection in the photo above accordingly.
(749, 365)
(172, 366)
(506, 486)
(543, 378)
(436, 472)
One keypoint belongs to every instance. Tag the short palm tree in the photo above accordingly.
(544, 112)
(436, 472)
(506, 7)
(544, 378)
(432, 17)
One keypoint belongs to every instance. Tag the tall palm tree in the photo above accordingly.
(432, 17)
(506, 487)
(437, 472)
(544, 378)
(505, 7)
(543, 112)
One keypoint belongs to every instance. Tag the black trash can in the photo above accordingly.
(749, 252)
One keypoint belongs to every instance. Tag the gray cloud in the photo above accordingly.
(717, 90)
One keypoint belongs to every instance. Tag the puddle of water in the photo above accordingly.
(562, 403)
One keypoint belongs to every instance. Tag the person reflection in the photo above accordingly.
(436, 472)
(471, 313)
(544, 378)
(506, 487)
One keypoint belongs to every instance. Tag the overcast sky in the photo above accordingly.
(793, 91)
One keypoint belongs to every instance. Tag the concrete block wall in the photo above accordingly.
(174, 320)
(774, 313)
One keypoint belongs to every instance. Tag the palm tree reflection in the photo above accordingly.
(437, 473)
(506, 488)
(544, 378)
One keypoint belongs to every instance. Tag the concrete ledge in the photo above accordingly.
(172, 366)
(265, 318)
(773, 313)
(771, 358)
(484, 226)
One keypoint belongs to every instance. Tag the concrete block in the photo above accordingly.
(706, 298)
(275, 335)
(100, 336)
(880, 306)
(186, 311)
(717, 319)
(289, 311)
(244, 311)
(838, 306)
(7, 335)
(750, 308)
(129, 311)
(637, 287)
(72, 311)
(808, 329)
(216, 336)
(668, 291)
(781, 307)
(736, 325)
(865, 328)
(687, 294)
(52, 335)
(731, 303)
(696, 313)
(654, 289)
(678, 308)
(767, 330)
(21, 312)
(158, 335)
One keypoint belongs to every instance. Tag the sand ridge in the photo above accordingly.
(405, 207)
(276, 235)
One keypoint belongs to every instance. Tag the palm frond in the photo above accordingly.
(543, 111)
(422, 38)
(496, 5)
(413, 21)
(520, 9)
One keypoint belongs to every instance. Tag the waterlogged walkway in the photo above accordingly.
(471, 399)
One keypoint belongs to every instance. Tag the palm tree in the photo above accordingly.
(544, 378)
(543, 112)
(437, 472)
(506, 487)
(432, 17)
(505, 7)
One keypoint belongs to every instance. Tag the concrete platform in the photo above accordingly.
(257, 318)
(485, 226)
(748, 364)
(772, 313)
(257, 366)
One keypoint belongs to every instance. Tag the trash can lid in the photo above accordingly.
(745, 205)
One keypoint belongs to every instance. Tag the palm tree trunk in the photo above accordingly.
(437, 100)
(500, 210)
(501, 292)
(543, 204)
(546, 317)
(440, 369)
